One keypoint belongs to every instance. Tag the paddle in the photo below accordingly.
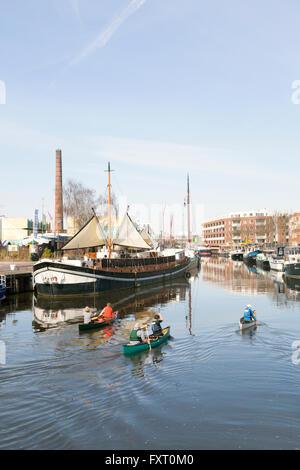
(149, 342)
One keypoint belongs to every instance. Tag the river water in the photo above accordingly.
(208, 387)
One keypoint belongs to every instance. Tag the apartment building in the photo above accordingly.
(260, 226)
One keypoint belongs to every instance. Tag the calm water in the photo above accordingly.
(209, 387)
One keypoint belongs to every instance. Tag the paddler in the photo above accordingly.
(107, 313)
(138, 334)
(249, 314)
(87, 314)
(156, 325)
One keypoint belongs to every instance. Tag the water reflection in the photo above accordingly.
(238, 277)
(133, 305)
(153, 357)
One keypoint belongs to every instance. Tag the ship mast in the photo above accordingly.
(188, 208)
(109, 214)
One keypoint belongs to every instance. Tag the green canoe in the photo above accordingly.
(95, 325)
(135, 348)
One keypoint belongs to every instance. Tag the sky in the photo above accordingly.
(160, 88)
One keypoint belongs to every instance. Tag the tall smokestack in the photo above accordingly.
(59, 221)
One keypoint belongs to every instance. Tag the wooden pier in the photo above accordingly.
(18, 276)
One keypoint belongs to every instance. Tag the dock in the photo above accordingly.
(18, 276)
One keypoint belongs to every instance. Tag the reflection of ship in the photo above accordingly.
(56, 312)
(277, 278)
(293, 284)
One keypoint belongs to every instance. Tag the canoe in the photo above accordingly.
(129, 349)
(95, 325)
(244, 325)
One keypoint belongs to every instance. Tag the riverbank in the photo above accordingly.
(18, 276)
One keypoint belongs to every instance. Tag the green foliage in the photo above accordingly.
(47, 253)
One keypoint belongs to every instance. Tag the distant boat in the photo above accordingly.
(2, 287)
(262, 261)
(204, 251)
(276, 263)
(250, 256)
(237, 255)
(292, 263)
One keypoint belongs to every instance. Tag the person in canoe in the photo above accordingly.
(249, 314)
(88, 313)
(106, 313)
(139, 334)
(156, 326)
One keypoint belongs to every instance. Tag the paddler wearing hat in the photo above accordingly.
(249, 314)
(139, 333)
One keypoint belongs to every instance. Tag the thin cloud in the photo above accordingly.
(105, 35)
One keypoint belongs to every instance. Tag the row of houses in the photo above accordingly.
(259, 226)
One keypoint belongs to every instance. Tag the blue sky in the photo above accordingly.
(158, 87)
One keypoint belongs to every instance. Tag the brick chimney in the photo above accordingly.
(59, 221)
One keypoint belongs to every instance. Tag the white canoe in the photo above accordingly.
(243, 326)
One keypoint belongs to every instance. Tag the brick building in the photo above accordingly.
(294, 229)
(260, 226)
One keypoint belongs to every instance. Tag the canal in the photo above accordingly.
(209, 387)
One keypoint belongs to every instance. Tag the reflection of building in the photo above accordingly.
(235, 276)
(254, 226)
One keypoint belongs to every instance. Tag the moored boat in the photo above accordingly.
(276, 263)
(129, 349)
(292, 263)
(237, 255)
(262, 261)
(204, 252)
(250, 256)
(124, 256)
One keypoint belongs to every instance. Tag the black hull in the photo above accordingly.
(292, 270)
(98, 281)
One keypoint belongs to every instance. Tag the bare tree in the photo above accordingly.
(79, 201)
(277, 228)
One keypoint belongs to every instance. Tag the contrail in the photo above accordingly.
(105, 35)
